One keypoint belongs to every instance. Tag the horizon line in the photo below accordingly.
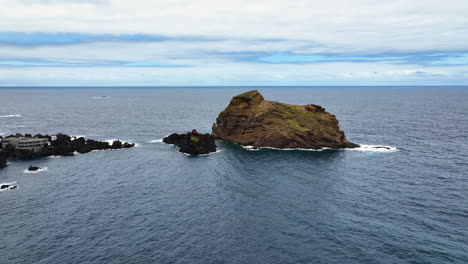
(226, 86)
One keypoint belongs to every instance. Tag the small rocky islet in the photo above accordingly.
(192, 143)
(250, 120)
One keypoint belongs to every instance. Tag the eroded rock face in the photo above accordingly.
(192, 143)
(251, 120)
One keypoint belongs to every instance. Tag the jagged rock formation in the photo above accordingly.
(253, 121)
(192, 143)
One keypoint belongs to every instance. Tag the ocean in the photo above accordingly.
(152, 204)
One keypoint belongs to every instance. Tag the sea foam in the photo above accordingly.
(375, 148)
(9, 116)
(370, 148)
(111, 141)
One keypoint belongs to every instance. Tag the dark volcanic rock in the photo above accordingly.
(33, 168)
(64, 145)
(251, 120)
(3, 158)
(193, 142)
(7, 186)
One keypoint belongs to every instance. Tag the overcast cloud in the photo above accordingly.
(275, 42)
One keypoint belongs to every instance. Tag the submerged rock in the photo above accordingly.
(192, 143)
(251, 120)
(7, 186)
(33, 168)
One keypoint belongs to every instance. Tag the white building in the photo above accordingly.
(26, 143)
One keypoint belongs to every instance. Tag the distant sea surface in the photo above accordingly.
(152, 204)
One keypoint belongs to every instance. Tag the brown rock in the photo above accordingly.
(251, 120)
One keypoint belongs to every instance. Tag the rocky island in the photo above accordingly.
(192, 143)
(250, 120)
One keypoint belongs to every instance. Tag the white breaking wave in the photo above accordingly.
(371, 148)
(156, 140)
(252, 148)
(10, 115)
(202, 155)
(101, 97)
(111, 141)
(375, 148)
(76, 137)
(39, 170)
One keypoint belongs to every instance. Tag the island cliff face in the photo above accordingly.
(253, 121)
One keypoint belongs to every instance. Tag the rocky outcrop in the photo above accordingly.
(62, 145)
(7, 186)
(192, 143)
(33, 168)
(251, 120)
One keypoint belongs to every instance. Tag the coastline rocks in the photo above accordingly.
(192, 143)
(62, 145)
(251, 120)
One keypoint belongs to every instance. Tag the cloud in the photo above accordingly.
(357, 25)
(237, 42)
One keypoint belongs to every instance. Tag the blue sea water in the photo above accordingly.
(151, 204)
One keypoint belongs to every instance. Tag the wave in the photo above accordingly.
(370, 148)
(77, 136)
(375, 148)
(252, 148)
(39, 170)
(156, 140)
(111, 141)
(10, 116)
(202, 155)
(101, 97)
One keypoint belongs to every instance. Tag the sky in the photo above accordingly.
(233, 43)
